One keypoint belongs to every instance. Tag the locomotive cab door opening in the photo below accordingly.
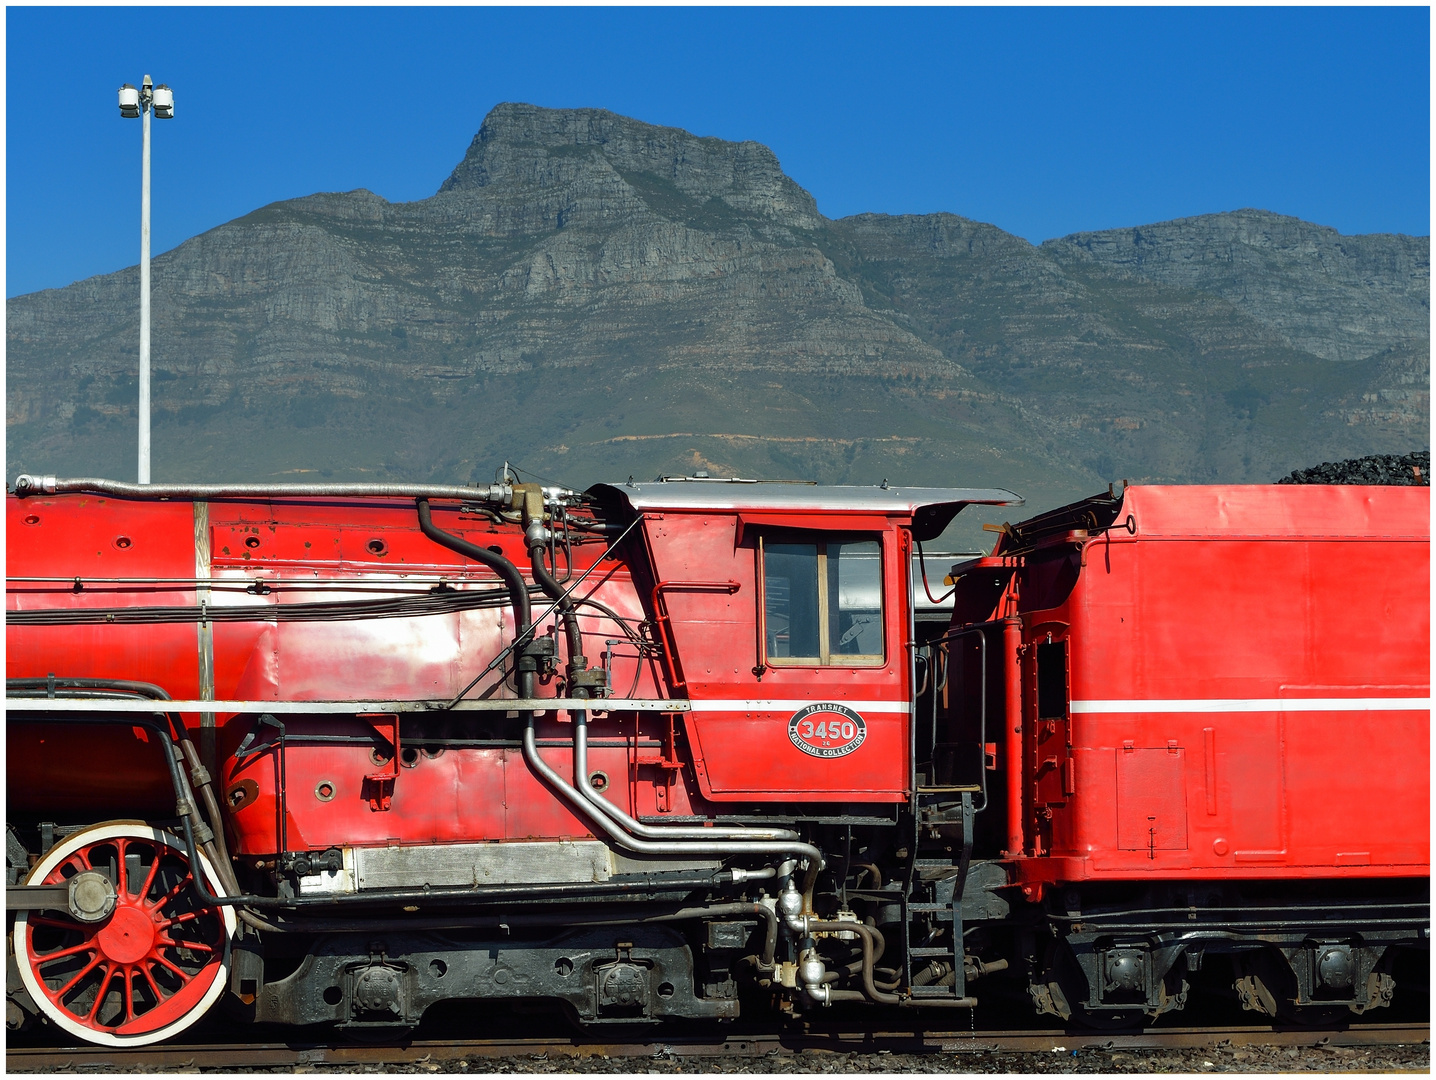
(1056, 777)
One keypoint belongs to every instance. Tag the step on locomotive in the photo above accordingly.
(701, 748)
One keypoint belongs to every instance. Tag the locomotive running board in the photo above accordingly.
(133, 705)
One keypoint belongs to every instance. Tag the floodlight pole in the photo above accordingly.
(144, 466)
(139, 104)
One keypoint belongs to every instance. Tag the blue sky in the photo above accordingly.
(1041, 121)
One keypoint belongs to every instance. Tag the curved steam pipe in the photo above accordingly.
(718, 849)
(638, 828)
(518, 589)
(554, 591)
(576, 660)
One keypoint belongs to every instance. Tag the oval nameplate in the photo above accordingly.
(827, 729)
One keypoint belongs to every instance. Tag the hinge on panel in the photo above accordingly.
(379, 786)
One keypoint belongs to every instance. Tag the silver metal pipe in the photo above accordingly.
(498, 494)
(720, 849)
(638, 828)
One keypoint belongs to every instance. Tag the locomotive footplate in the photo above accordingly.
(613, 974)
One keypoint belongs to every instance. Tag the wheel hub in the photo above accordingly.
(129, 936)
(92, 896)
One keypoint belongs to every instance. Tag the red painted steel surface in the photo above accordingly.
(99, 538)
(462, 794)
(1185, 640)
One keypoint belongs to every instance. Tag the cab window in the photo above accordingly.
(822, 601)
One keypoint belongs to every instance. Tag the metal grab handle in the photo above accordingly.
(660, 618)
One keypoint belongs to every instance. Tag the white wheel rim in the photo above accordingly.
(57, 855)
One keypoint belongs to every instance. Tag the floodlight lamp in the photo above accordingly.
(129, 102)
(162, 100)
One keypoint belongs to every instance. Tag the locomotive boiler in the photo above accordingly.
(695, 749)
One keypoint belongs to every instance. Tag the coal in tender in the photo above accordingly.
(1405, 470)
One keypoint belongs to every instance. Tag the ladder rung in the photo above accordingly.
(931, 950)
(930, 907)
(934, 991)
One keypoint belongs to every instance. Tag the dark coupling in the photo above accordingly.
(539, 655)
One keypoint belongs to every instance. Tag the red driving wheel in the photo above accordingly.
(147, 960)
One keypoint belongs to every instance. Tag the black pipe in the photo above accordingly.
(518, 588)
(555, 591)
(127, 686)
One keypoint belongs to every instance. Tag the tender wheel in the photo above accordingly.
(145, 970)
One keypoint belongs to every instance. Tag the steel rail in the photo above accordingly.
(686, 1043)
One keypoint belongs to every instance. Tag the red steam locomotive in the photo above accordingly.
(337, 753)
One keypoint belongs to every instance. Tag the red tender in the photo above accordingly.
(1248, 688)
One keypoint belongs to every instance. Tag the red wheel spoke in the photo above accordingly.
(123, 846)
(100, 994)
(78, 864)
(181, 972)
(160, 995)
(197, 946)
(129, 994)
(45, 958)
(188, 916)
(172, 893)
(150, 877)
(58, 994)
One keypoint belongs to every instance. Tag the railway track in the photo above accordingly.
(435, 1053)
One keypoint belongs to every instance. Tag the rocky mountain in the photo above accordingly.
(591, 297)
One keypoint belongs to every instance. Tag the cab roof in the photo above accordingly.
(930, 508)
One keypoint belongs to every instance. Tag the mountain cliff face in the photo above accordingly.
(591, 296)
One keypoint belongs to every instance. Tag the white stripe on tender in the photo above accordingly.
(1246, 705)
(791, 706)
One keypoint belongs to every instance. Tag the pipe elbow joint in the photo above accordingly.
(812, 973)
(819, 992)
(796, 924)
